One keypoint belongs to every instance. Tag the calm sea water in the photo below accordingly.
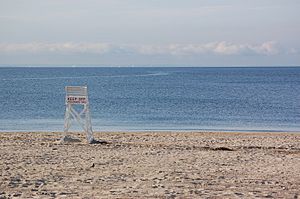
(238, 99)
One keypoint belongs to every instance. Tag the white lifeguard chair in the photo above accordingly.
(77, 108)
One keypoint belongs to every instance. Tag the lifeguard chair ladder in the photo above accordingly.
(78, 96)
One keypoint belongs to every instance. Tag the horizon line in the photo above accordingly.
(135, 65)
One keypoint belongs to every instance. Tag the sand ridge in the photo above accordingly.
(151, 165)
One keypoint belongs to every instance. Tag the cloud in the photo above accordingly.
(220, 48)
(217, 48)
(67, 47)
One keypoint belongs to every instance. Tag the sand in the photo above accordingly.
(151, 165)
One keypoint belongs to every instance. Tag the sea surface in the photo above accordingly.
(154, 99)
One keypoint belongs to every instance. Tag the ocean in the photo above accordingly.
(154, 98)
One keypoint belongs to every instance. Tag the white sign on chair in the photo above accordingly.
(78, 96)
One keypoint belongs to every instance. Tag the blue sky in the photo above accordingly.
(150, 32)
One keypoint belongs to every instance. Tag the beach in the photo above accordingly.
(150, 165)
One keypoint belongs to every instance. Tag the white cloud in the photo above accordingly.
(67, 47)
(221, 48)
(218, 48)
(293, 51)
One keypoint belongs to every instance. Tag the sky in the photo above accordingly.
(150, 32)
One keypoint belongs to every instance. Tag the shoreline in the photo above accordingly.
(166, 131)
(151, 165)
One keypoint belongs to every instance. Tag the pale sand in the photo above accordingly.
(151, 165)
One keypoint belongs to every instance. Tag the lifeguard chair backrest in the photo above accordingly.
(76, 90)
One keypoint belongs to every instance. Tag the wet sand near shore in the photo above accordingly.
(151, 165)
